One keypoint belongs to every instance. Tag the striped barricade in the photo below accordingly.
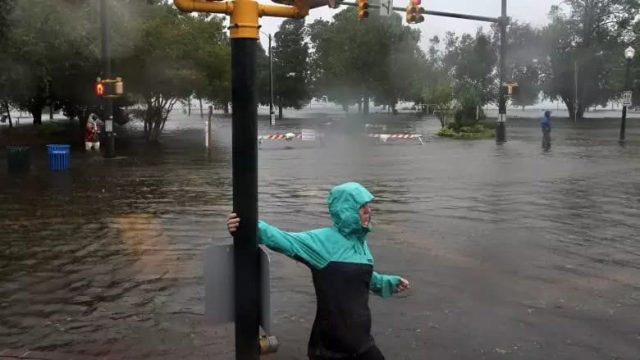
(402, 136)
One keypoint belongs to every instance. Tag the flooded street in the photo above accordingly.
(512, 252)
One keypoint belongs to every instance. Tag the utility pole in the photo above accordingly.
(244, 130)
(575, 94)
(272, 113)
(110, 147)
(628, 54)
(501, 131)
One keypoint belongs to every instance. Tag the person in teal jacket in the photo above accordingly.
(342, 269)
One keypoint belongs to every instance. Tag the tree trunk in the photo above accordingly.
(201, 113)
(189, 105)
(365, 107)
(6, 107)
(279, 112)
(226, 108)
(359, 106)
(36, 113)
(572, 110)
(51, 112)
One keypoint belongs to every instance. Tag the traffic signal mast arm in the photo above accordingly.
(434, 13)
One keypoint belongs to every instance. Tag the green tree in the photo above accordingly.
(290, 55)
(264, 95)
(47, 49)
(175, 57)
(440, 99)
(210, 53)
(471, 61)
(525, 57)
(357, 60)
(580, 38)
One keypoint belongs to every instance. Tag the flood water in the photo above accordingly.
(512, 251)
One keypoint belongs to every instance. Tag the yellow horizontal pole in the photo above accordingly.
(283, 11)
(218, 7)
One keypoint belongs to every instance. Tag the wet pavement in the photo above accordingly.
(513, 252)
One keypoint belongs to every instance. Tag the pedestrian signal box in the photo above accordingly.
(511, 88)
(99, 87)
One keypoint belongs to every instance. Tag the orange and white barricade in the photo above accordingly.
(402, 136)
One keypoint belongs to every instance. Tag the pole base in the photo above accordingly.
(110, 145)
(501, 132)
(268, 345)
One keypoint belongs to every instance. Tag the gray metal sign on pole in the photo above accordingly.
(218, 286)
(386, 7)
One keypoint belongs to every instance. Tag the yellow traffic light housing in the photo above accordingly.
(363, 9)
(118, 87)
(414, 12)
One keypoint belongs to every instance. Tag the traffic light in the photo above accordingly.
(363, 9)
(414, 12)
(109, 88)
(99, 87)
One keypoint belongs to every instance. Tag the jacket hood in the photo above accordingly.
(344, 203)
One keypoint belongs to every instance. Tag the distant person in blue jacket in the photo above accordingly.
(342, 269)
(545, 125)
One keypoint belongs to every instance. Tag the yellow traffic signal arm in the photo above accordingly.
(244, 13)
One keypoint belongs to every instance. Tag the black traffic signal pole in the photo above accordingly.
(244, 131)
(627, 87)
(501, 131)
(109, 146)
(503, 22)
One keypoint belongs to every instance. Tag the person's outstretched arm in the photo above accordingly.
(305, 246)
(387, 285)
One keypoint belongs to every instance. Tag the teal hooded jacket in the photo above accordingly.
(345, 241)
(342, 269)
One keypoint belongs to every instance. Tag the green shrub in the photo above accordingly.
(474, 132)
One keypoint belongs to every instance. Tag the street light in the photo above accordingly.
(628, 55)
(272, 114)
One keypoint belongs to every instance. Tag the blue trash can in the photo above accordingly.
(59, 157)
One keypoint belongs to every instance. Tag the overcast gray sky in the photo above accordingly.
(533, 11)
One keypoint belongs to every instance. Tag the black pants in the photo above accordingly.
(546, 138)
(373, 353)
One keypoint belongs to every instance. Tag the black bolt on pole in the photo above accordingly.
(501, 131)
(245, 195)
(627, 85)
(107, 116)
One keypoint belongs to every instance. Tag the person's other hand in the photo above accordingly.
(403, 285)
(233, 221)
